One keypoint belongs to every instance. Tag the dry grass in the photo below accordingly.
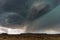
(30, 37)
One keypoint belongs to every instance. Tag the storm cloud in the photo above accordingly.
(35, 15)
(51, 20)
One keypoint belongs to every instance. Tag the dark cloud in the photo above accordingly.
(51, 20)
(38, 14)
(48, 21)
(14, 11)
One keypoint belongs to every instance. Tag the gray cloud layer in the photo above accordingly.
(48, 21)
(39, 14)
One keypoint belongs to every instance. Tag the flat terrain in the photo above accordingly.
(29, 36)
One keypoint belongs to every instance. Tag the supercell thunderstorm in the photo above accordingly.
(29, 16)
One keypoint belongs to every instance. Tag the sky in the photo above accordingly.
(30, 16)
(50, 21)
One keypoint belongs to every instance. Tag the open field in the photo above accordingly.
(30, 37)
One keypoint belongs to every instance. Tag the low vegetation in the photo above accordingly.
(29, 36)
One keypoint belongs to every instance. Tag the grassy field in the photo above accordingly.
(30, 37)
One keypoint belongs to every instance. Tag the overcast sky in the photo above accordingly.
(46, 15)
(50, 21)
